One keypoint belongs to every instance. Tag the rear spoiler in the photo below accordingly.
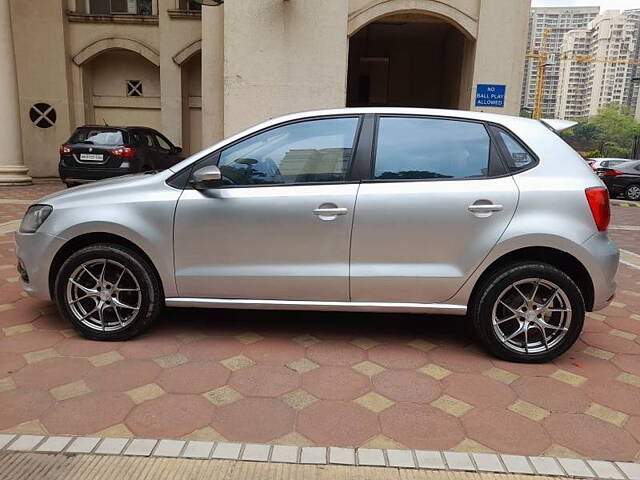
(558, 125)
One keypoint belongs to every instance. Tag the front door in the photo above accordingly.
(431, 213)
(280, 226)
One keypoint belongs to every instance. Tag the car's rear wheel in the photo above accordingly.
(632, 192)
(529, 312)
(108, 292)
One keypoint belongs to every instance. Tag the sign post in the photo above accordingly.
(490, 95)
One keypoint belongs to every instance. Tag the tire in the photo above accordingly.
(632, 192)
(565, 325)
(127, 296)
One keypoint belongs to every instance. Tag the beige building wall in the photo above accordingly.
(41, 46)
(281, 57)
(210, 75)
(500, 49)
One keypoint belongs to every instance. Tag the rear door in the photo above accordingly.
(437, 203)
(145, 149)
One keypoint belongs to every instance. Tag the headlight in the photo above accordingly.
(35, 216)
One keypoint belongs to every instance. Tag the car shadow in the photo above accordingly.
(396, 327)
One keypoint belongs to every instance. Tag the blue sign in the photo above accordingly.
(490, 95)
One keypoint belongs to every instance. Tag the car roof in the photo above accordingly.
(117, 127)
(630, 164)
(436, 112)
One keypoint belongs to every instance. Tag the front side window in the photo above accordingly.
(303, 152)
(143, 139)
(517, 157)
(428, 148)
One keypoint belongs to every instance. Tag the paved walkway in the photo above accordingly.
(315, 378)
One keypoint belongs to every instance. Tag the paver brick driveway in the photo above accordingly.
(310, 378)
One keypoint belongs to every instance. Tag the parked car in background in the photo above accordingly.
(96, 152)
(597, 163)
(623, 179)
(364, 209)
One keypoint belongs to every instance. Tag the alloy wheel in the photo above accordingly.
(531, 316)
(633, 192)
(103, 295)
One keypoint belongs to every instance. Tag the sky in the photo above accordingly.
(604, 4)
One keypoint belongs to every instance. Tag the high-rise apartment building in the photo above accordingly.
(611, 42)
(559, 21)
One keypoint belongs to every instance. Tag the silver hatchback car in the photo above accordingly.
(372, 209)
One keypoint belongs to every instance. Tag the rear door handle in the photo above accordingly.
(480, 208)
(330, 212)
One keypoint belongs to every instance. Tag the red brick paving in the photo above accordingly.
(193, 377)
(591, 437)
(408, 424)
(321, 378)
(406, 386)
(551, 394)
(169, 416)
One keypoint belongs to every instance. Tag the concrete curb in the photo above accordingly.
(250, 452)
(625, 203)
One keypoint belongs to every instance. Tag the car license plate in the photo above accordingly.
(91, 157)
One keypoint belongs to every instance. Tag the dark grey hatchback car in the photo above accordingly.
(97, 152)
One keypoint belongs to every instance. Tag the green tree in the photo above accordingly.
(612, 131)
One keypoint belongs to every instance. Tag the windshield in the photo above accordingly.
(95, 136)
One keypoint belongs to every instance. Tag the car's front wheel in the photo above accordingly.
(529, 312)
(632, 192)
(108, 292)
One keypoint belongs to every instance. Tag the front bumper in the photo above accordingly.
(35, 252)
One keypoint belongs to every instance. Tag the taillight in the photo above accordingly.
(612, 173)
(65, 149)
(123, 152)
(598, 198)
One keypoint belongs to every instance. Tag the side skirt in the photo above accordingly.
(431, 308)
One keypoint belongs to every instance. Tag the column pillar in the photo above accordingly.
(212, 75)
(12, 169)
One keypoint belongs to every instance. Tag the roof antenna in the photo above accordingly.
(105, 122)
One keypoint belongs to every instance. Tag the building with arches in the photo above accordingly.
(200, 74)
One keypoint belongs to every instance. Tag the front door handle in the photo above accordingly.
(330, 212)
(484, 208)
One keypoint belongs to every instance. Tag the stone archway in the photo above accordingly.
(410, 53)
(100, 46)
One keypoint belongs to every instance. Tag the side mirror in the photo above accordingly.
(177, 150)
(206, 177)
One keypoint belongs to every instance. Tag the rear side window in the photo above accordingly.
(427, 148)
(517, 157)
(97, 137)
(162, 143)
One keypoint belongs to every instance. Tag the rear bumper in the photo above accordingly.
(603, 258)
(91, 174)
